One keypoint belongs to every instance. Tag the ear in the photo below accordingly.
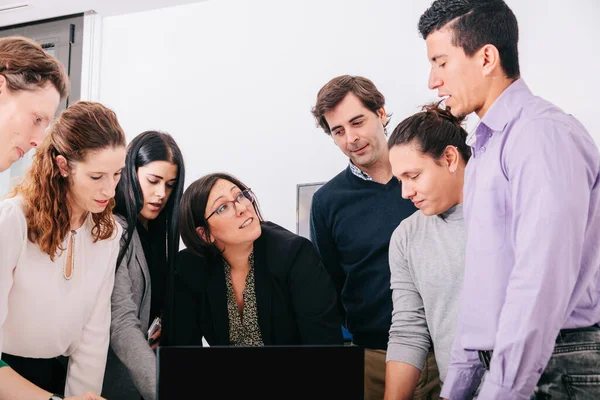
(452, 158)
(202, 233)
(490, 59)
(382, 115)
(63, 165)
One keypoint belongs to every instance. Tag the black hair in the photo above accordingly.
(145, 148)
(433, 129)
(475, 23)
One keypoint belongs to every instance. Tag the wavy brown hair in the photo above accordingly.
(81, 129)
(26, 66)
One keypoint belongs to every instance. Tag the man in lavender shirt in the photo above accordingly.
(530, 304)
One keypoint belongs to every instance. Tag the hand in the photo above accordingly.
(87, 396)
(155, 339)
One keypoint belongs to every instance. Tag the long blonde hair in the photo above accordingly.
(82, 128)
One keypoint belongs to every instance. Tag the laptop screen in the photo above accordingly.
(270, 372)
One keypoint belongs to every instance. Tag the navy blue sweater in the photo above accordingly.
(352, 221)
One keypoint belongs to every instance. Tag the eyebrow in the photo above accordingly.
(409, 172)
(351, 121)
(438, 56)
(231, 190)
(104, 173)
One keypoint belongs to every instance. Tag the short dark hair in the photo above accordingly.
(193, 207)
(336, 90)
(475, 23)
(432, 130)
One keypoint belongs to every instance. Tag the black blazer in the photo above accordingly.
(295, 297)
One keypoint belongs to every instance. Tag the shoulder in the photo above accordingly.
(12, 216)
(280, 237)
(190, 264)
(12, 208)
(334, 184)
(408, 227)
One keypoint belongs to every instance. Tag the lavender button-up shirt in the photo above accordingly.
(532, 211)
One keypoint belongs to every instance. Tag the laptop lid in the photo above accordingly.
(270, 372)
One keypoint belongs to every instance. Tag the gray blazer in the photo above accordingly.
(131, 365)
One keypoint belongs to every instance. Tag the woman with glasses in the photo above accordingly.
(243, 281)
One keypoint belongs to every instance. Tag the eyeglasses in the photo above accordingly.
(227, 210)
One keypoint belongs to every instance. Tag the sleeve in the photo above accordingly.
(550, 178)
(409, 339)
(464, 371)
(87, 363)
(314, 299)
(322, 239)
(13, 236)
(182, 319)
(128, 340)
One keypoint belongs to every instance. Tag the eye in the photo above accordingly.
(442, 65)
(414, 176)
(153, 182)
(240, 196)
(170, 185)
(338, 132)
(222, 208)
(358, 123)
(96, 177)
(37, 120)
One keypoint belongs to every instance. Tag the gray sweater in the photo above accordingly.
(427, 256)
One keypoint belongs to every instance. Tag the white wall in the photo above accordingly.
(234, 81)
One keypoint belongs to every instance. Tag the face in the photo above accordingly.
(358, 131)
(157, 180)
(432, 187)
(454, 75)
(93, 180)
(24, 117)
(241, 228)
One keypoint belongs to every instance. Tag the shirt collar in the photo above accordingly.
(506, 105)
(358, 172)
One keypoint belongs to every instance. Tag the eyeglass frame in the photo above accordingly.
(247, 190)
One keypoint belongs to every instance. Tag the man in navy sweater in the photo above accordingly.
(352, 220)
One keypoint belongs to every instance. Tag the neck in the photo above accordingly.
(237, 257)
(381, 171)
(498, 86)
(143, 220)
(78, 217)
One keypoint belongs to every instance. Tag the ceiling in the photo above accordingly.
(43, 9)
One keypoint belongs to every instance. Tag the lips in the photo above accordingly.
(246, 223)
(359, 150)
(419, 203)
(155, 206)
(21, 152)
(102, 203)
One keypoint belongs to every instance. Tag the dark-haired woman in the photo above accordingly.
(242, 281)
(147, 199)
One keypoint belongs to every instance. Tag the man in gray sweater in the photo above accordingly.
(428, 153)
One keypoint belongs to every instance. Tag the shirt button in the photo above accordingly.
(482, 149)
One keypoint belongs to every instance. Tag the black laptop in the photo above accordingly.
(271, 372)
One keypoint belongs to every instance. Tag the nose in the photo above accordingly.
(434, 80)
(109, 186)
(239, 208)
(351, 136)
(160, 191)
(408, 192)
(37, 136)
